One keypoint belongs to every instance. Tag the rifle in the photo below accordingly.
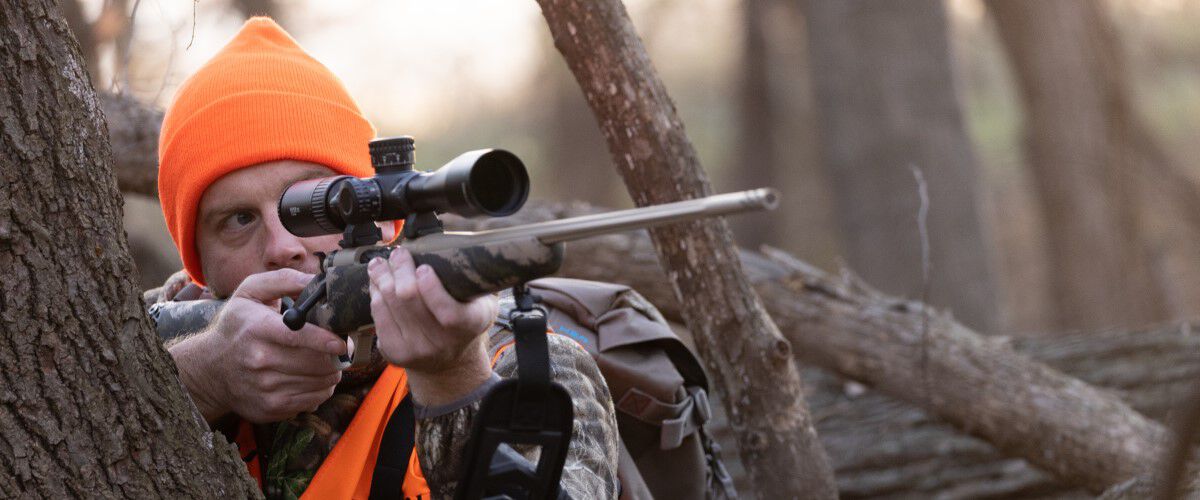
(469, 264)
(491, 182)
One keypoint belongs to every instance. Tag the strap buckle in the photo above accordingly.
(691, 417)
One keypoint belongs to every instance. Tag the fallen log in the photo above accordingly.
(1084, 436)
(884, 448)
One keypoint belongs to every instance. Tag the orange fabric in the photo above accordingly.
(496, 357)
(347, 470)
(262, 98)
(249, 450)
(509, 344)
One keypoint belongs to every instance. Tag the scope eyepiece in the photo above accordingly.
(490, 182)
(304, 208)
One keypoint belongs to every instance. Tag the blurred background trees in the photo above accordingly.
(1056, 139)
(889, 120)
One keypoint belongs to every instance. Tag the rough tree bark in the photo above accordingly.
(748, 360)
(981, 386)
(887, 101)
(1111, 200)
(90, 403)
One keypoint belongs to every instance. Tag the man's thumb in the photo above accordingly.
(270, 286)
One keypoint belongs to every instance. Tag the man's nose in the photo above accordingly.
(283, 249)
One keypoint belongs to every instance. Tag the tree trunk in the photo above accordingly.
(979, 385)
(749, 361)
(757, 158)
(887, 102)
(90, 404)
(1099, 177)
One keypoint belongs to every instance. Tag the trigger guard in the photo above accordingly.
(364, 341)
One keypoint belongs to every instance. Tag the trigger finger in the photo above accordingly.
(380, 274)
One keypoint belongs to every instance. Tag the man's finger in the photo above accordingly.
(310, 337)
(311, 400)
(295, 384)
(265, 288)
(301, 362)
(403, 272)
(446, 309)
(380, 274)
(380, 311)
(281, 406)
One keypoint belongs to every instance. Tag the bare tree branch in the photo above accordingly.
(133, 128)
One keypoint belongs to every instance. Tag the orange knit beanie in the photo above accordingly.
(261, 98)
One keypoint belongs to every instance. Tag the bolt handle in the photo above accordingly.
(295, 317)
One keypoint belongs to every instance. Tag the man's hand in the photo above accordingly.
(420, 327)
(250, 364)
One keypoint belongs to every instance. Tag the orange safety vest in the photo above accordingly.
(346, 472)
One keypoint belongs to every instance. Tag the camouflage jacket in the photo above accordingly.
(297, 446)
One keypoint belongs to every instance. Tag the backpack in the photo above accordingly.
(659, 389)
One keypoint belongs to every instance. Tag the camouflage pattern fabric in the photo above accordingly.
(291, 451)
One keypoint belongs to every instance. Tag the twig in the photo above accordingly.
(923, 230)
(124, 52)
(162, 85)
(193, 38)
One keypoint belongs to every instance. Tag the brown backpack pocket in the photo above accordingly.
(658, 386)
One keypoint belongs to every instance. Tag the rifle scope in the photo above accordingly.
(484, 182)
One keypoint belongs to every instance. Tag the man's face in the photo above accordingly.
(238, 232)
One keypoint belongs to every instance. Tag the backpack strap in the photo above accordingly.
(677, 420)
(720, 483)
(395, 448)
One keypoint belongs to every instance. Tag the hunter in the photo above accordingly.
(259, 116)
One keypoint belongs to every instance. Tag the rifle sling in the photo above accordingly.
(395, 448)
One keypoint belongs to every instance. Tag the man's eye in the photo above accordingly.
(239, 220)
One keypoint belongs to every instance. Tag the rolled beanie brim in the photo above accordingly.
(279, 126)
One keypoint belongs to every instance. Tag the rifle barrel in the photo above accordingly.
(576, 228)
